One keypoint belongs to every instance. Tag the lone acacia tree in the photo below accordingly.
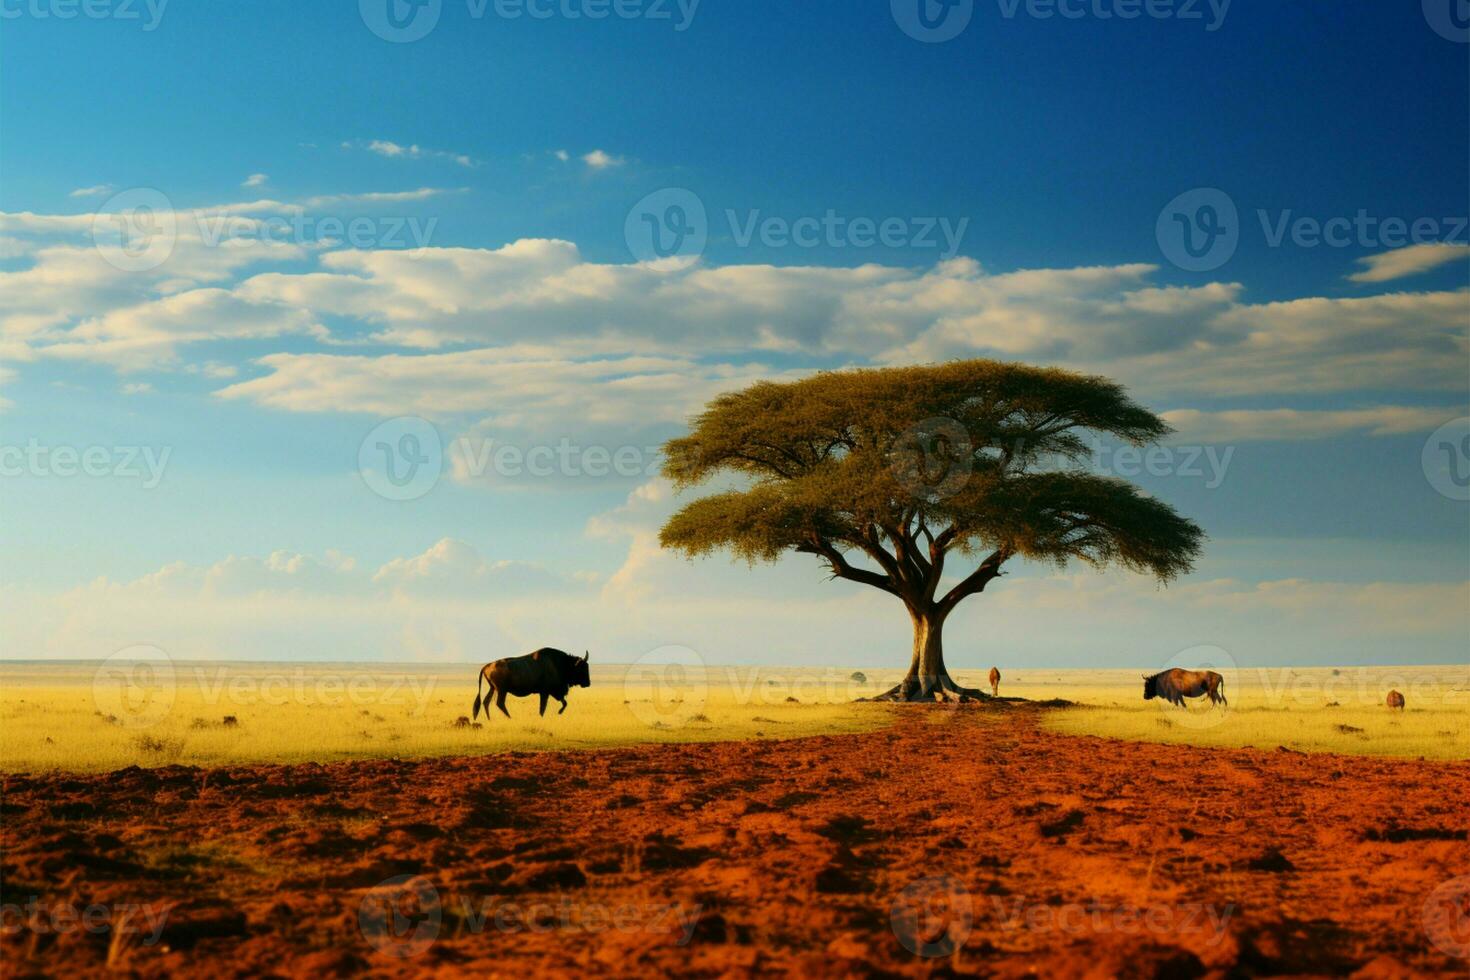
(885, 475)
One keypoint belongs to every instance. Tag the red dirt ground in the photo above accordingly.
(968, 834)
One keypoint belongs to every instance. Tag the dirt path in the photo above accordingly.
(970, 835)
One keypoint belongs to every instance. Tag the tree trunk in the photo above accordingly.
(928, 679)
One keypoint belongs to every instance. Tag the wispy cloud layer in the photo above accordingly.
(532, 333)
(410, 151)
(1412, 261)
(1295, 425)
(450, 603)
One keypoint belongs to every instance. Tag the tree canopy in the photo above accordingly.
(885, 474)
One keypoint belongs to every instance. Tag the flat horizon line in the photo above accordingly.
(5, 661)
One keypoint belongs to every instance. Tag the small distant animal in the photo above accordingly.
(1176, 684)
(547, 672)
(995, 682)
(1395, 700)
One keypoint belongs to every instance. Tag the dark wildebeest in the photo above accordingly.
(547, 672)
(1395, 700)
(995, 682)
(1176, 684)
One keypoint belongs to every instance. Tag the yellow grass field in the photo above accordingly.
(1318, 709)
(93, 717)
(86, 718)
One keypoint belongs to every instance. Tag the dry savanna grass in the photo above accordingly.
(81, 718)
(1320, 709)
(91, 718)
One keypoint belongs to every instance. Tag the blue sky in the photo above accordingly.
(497, 165)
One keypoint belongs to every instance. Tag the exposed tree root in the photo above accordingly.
(940, 689)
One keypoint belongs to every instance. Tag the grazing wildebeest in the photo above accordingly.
(1395, 700)
(995, 682)
(547, 672)
(1176, 684)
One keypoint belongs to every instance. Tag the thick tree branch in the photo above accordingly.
(977, 580)
(907, 552)
(843, 569)
(868, 541)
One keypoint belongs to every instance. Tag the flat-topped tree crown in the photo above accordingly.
(885, 473)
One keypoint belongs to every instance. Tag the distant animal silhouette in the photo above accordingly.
(995, 682)
(1395, 700)
(547, 672)
(1176, 684)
